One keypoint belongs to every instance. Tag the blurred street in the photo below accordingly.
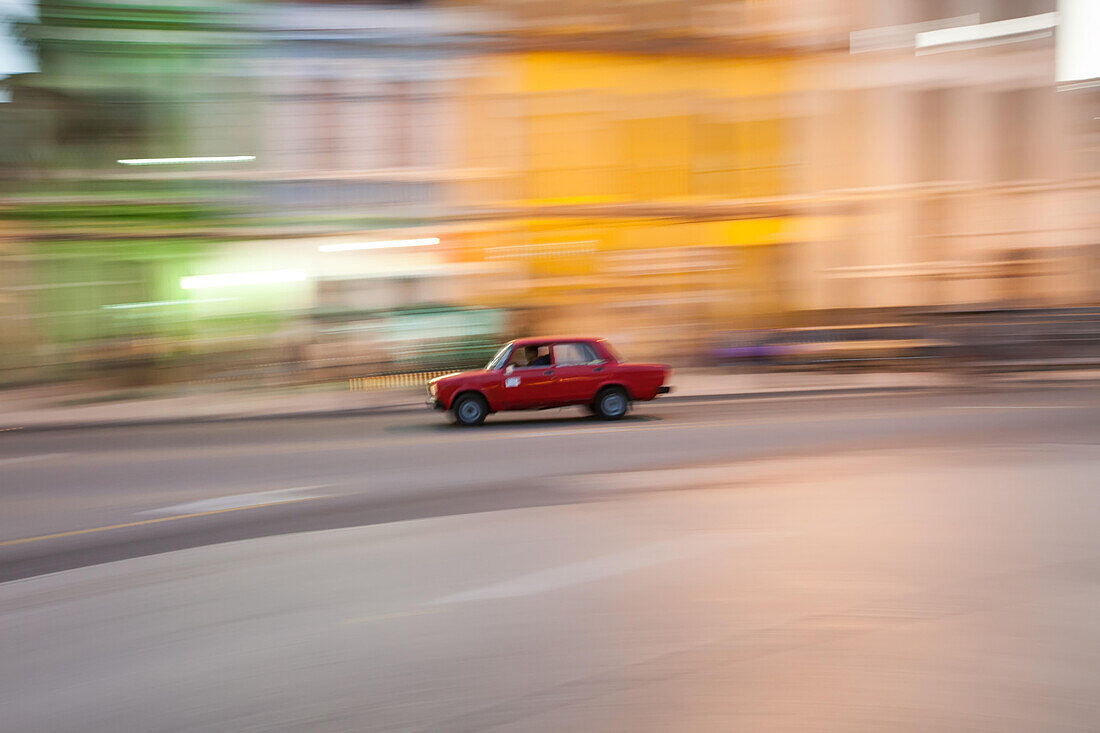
(902, 562)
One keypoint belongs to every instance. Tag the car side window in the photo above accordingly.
(530, 356)
(574, 353)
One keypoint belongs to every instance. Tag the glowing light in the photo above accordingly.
(162, 303)
(894, 37)
(987, 34)
(261, 277)
(349, 246)
(177, 161)
(1077, 54)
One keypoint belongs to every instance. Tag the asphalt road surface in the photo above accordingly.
(892, 563)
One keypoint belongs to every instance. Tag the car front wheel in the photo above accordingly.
(612, 403)
(469, 410)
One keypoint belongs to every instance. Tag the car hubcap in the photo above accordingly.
(469, 411)
(614, 404)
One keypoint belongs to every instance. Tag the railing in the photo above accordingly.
(392, 381)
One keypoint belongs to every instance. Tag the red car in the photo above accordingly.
(538, 373)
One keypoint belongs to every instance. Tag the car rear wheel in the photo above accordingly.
(612, 403)
(469, 410)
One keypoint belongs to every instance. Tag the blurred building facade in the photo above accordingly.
(646, 169)
(114, 80)
(641, 160)
(970, 177)
(708, 165)
(342, 112)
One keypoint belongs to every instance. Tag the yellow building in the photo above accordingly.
(640, 188)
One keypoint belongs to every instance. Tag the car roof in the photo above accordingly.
(531, 341)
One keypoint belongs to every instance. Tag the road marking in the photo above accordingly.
(385, 616)
(665, 424)
(496, 431)
(1015, 407)
(597, 568)
(27, 459)
(494, 434)
(553, 432)
(239, 501)
(125, 525)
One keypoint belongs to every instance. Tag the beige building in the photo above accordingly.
(960, 172)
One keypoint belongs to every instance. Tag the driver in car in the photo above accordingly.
(533, 358)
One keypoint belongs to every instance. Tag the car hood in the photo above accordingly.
(471, 373)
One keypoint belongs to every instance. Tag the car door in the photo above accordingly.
(529, 386)
(579, 372)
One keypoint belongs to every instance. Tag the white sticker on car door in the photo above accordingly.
(511, 382)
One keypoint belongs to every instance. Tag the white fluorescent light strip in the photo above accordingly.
(989, 32)
(262, 277)
(893, 37)
(349, 246)
(175, 161)
(160, 303)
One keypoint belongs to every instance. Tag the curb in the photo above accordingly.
(415, 407)
(212, 419)
(418, 406)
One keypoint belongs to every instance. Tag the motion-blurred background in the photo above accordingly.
(303, 192)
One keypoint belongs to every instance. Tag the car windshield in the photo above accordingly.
(498, 361)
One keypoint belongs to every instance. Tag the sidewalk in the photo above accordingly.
(60, 407)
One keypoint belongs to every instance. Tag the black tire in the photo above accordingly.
(611, 403)
(469, 410)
